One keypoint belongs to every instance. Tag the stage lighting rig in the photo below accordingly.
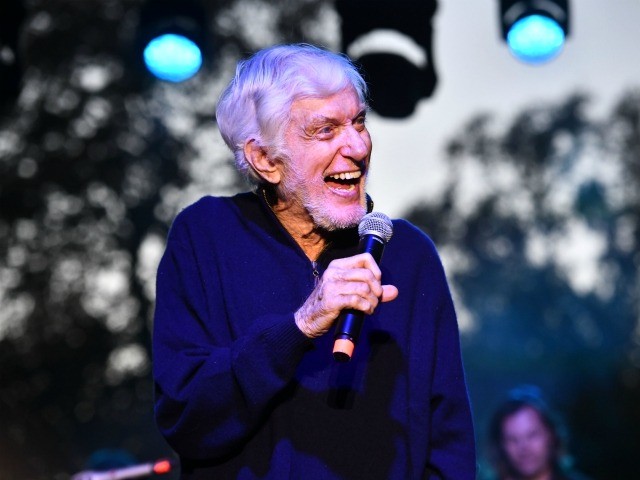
(535, 30)
(172, 38)
(392, 43)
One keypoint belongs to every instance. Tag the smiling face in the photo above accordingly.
(322, 182)
(528, 444)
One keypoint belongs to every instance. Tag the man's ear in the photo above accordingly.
(264, 166)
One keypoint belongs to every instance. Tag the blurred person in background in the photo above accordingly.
(527, 441)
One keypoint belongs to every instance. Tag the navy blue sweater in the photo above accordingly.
(242, 393)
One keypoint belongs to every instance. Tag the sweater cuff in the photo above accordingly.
(284, 337)
(264, 363)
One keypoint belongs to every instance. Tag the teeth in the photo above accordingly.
(346, 175)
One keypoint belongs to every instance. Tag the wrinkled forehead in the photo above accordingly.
(343, 105)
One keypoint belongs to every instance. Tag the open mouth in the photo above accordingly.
(344, 180)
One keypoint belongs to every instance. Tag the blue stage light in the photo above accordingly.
(173, 57)
(535, 39)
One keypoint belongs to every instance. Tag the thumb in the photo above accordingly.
(389, 292)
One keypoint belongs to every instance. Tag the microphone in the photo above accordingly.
(145, 470)
(375, 230)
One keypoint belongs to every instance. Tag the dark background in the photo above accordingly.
(96, 158)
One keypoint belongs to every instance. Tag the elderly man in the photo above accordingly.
(250, 287)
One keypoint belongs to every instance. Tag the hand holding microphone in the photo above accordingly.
(350, 287)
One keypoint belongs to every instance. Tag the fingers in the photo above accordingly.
(360, 281)
(348, 283)
(354, 282)
(360, 261)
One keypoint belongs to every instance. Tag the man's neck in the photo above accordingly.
(311, 240)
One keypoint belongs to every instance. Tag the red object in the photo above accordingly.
(161, 467)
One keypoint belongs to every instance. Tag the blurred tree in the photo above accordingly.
(95, 160)
(539, 227)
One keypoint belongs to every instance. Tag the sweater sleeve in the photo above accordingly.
(212, 388)
(452, 434)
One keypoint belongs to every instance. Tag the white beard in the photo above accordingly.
(294, 188)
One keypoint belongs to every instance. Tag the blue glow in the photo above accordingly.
(535, 39)
(172, 57)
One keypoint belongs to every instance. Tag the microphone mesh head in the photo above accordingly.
(376, 223)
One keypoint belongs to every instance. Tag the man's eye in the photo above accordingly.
(326, 130)
(359, 123)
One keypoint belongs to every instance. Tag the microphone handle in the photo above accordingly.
(349, 323)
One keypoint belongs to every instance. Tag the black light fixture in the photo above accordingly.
(535, 30)
(392, 43)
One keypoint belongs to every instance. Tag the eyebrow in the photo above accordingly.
(315, 119)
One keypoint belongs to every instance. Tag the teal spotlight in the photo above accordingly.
(535, 30)
(172, 40)
(535, 39)
(173, 57)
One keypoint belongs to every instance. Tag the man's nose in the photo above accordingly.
(356, 144)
